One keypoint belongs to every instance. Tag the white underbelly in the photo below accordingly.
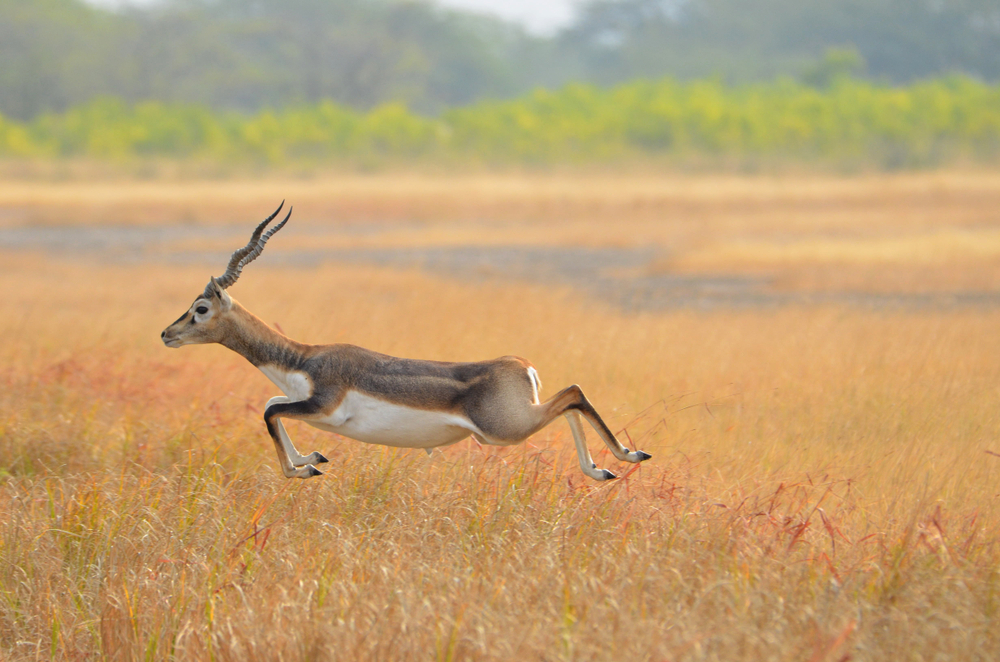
(375, 421)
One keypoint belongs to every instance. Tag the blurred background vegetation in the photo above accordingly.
(883, 83)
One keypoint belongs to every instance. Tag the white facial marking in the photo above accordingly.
(368, 419)
(296, 385)
(202, 304)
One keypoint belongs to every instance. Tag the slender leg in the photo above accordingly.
(297, 459)
(572, 403)
(587, 463)
(607, 435)
(282, 444)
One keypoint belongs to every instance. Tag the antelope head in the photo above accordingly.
(205, 321)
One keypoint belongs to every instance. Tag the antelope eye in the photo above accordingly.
(201, 310)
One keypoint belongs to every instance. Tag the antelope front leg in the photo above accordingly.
(293, 464)
(297, 459)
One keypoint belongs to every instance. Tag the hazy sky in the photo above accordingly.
(539, 16)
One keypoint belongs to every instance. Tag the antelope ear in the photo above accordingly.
(225, 300)
(214, 291)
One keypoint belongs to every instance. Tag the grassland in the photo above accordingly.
(823, 482)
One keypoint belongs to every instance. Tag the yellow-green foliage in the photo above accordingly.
(851, 120)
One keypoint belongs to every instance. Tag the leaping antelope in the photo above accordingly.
(381, 399)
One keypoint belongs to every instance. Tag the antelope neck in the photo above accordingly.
(258, 343)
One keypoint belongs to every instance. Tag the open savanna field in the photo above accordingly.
(812, 361)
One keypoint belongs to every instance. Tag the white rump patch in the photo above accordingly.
(373, 421)
(536, 385)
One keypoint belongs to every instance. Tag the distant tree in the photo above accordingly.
(252, 54)
(900, 40)
(837, 64)
(246, 54)
(52, 54)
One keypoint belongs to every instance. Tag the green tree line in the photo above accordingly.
(845, 120)
(250, 54)
(743, 40)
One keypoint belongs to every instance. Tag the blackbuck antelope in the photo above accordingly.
(380, 399)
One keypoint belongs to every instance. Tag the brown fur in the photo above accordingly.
(496, 396)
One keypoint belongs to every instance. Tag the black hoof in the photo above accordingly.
(608, 475)
(643, 456)
(313, 471)
(321, 458)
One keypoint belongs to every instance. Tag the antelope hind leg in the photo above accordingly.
(606, 435)
(587, 464)
(573, 403)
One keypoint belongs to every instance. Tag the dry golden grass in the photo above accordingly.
(823, 482)
(909, 232)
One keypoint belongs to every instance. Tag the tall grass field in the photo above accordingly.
(826, 453)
